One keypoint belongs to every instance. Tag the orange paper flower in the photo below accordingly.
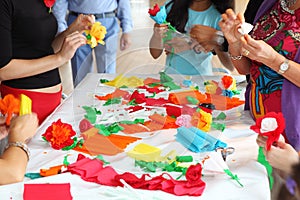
(59, 135)
(9, 105)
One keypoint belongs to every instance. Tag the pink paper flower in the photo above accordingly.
(184, 120)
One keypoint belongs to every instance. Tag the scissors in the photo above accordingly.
(225, 151)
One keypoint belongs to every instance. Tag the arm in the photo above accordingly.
(124, 15)
(156, 45)
(229, 25)
(14, 160)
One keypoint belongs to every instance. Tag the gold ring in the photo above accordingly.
(246, 52)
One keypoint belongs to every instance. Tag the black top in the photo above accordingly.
(27, 30)
(251, 10)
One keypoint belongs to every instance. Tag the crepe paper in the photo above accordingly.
(112, 101)
(218, 126)
(227, 81)
(211, 87)
(95, 144)
(136, 121)
(51, 171)
(139, 97)
(156, 102)
(227, 93)
(179, 98)
(184, 120)
(184, 158)
(171, 85)
(145, 152)
(192, 100)
(150, 80)
(103, 80)
(96, 34)
(45, 191)
(234, 177)
(165, 78)
(207, 107)
(187, 83)
(60, 135)
(84, 125)
(221, 116)
(102, 129)
(202, 120)
(271, 125)
(116, 94)
(155, 90)
(149, 166)
(262, 160)
(33, 175)
(134, 128)
(75, 142)
(9, 105)
(173, 110)
(122, 141)
(25, 105)
(196, 140)
(131, 82)
(100, 157)
(245, 28)
(222, 102)
(66, 162)
(91, 114)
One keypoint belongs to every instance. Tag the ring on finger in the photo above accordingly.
(246, 52)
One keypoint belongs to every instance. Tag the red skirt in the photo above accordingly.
(43, 104)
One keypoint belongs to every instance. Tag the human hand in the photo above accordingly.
(176, 45)
(3, 128)
(71, 43)
(22, 128)
(258, 50)
(282, 157)
(125, 41)
(82, 23)
(159, 31)
(230, 24)
(262, 140)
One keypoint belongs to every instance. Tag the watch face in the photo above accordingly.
(284, 66)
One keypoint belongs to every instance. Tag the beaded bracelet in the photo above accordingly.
(21, 145)
(235, 57)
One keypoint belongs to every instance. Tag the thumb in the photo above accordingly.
(281, 144)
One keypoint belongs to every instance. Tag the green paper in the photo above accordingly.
(67, 148)
(91, 114)
(262, 160)
(100, 157)
(234, 177)
(164, 77)
(132, 102)
(114, 128)
(33, 175)
(218, 126)
(102, 129)
(136, 121)
(184, 158)
(112, 101)
(104, 80)
(192, 100)
(66, 162)
(171, 85)
(221, 116)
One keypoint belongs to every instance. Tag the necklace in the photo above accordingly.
(286, 4)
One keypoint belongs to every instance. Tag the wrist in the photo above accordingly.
(20, 145)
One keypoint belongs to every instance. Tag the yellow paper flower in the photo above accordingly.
(96, 34)
(211, 87)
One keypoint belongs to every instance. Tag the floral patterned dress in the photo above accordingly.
(281, 29)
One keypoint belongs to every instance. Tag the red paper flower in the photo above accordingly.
(270, 125)
(59, 135)
(227, 81)
(193, 175)
(154, 11)
(49, 4)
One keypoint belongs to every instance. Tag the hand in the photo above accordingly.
(282, 157)
(206, 36)
(230, 24)
(71, 43)
(82, 23)
(22, 128)
(258, 50)
(3, 128)
(176, 45)
(159, 31)
(125, 41)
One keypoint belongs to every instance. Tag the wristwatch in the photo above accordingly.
(283, 67)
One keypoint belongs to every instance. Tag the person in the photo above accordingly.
(14, 159)
(108, 13)
(186, 57)
(31, 53)
(271, 57)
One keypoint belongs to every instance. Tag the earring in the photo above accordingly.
(290, 3)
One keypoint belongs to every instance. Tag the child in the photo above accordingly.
(184, 15)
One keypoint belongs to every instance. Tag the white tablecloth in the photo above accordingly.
(237, 134)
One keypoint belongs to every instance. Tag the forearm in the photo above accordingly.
(224, 58)
(13, 164)
(241, 63)
(59, 39)
(156, 47)
(30, 67)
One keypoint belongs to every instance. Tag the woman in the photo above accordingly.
(13, 160)
(184, 15)
(271, 56)
(31, 53)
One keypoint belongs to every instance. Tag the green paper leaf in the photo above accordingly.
(218, 126)
(192, 100)
(91, 114)
(221, 116)
(104, 80)
(66, 162)
(184, 158)
(234, 177)
(100, 157)
(112, 101)
(102, 129)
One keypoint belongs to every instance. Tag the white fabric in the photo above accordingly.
(237, 134)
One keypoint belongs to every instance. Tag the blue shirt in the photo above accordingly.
(188, 62)
(61, 7)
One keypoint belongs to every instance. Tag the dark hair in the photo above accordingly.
(178, 15)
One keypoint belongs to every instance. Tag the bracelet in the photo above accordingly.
(21, 145)
(235, 57)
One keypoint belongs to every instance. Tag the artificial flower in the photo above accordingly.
(49, 4)
(227, 81)
(60, 135)
(184, 120)
(270, 125)
(202, 120)
(193, 175)
(96, 34)
(159, 15)
(9, 105)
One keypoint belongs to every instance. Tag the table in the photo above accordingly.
(237, 134)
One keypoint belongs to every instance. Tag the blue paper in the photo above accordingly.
(161, 16)
(197, 140)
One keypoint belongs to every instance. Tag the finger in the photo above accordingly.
(281, 145)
